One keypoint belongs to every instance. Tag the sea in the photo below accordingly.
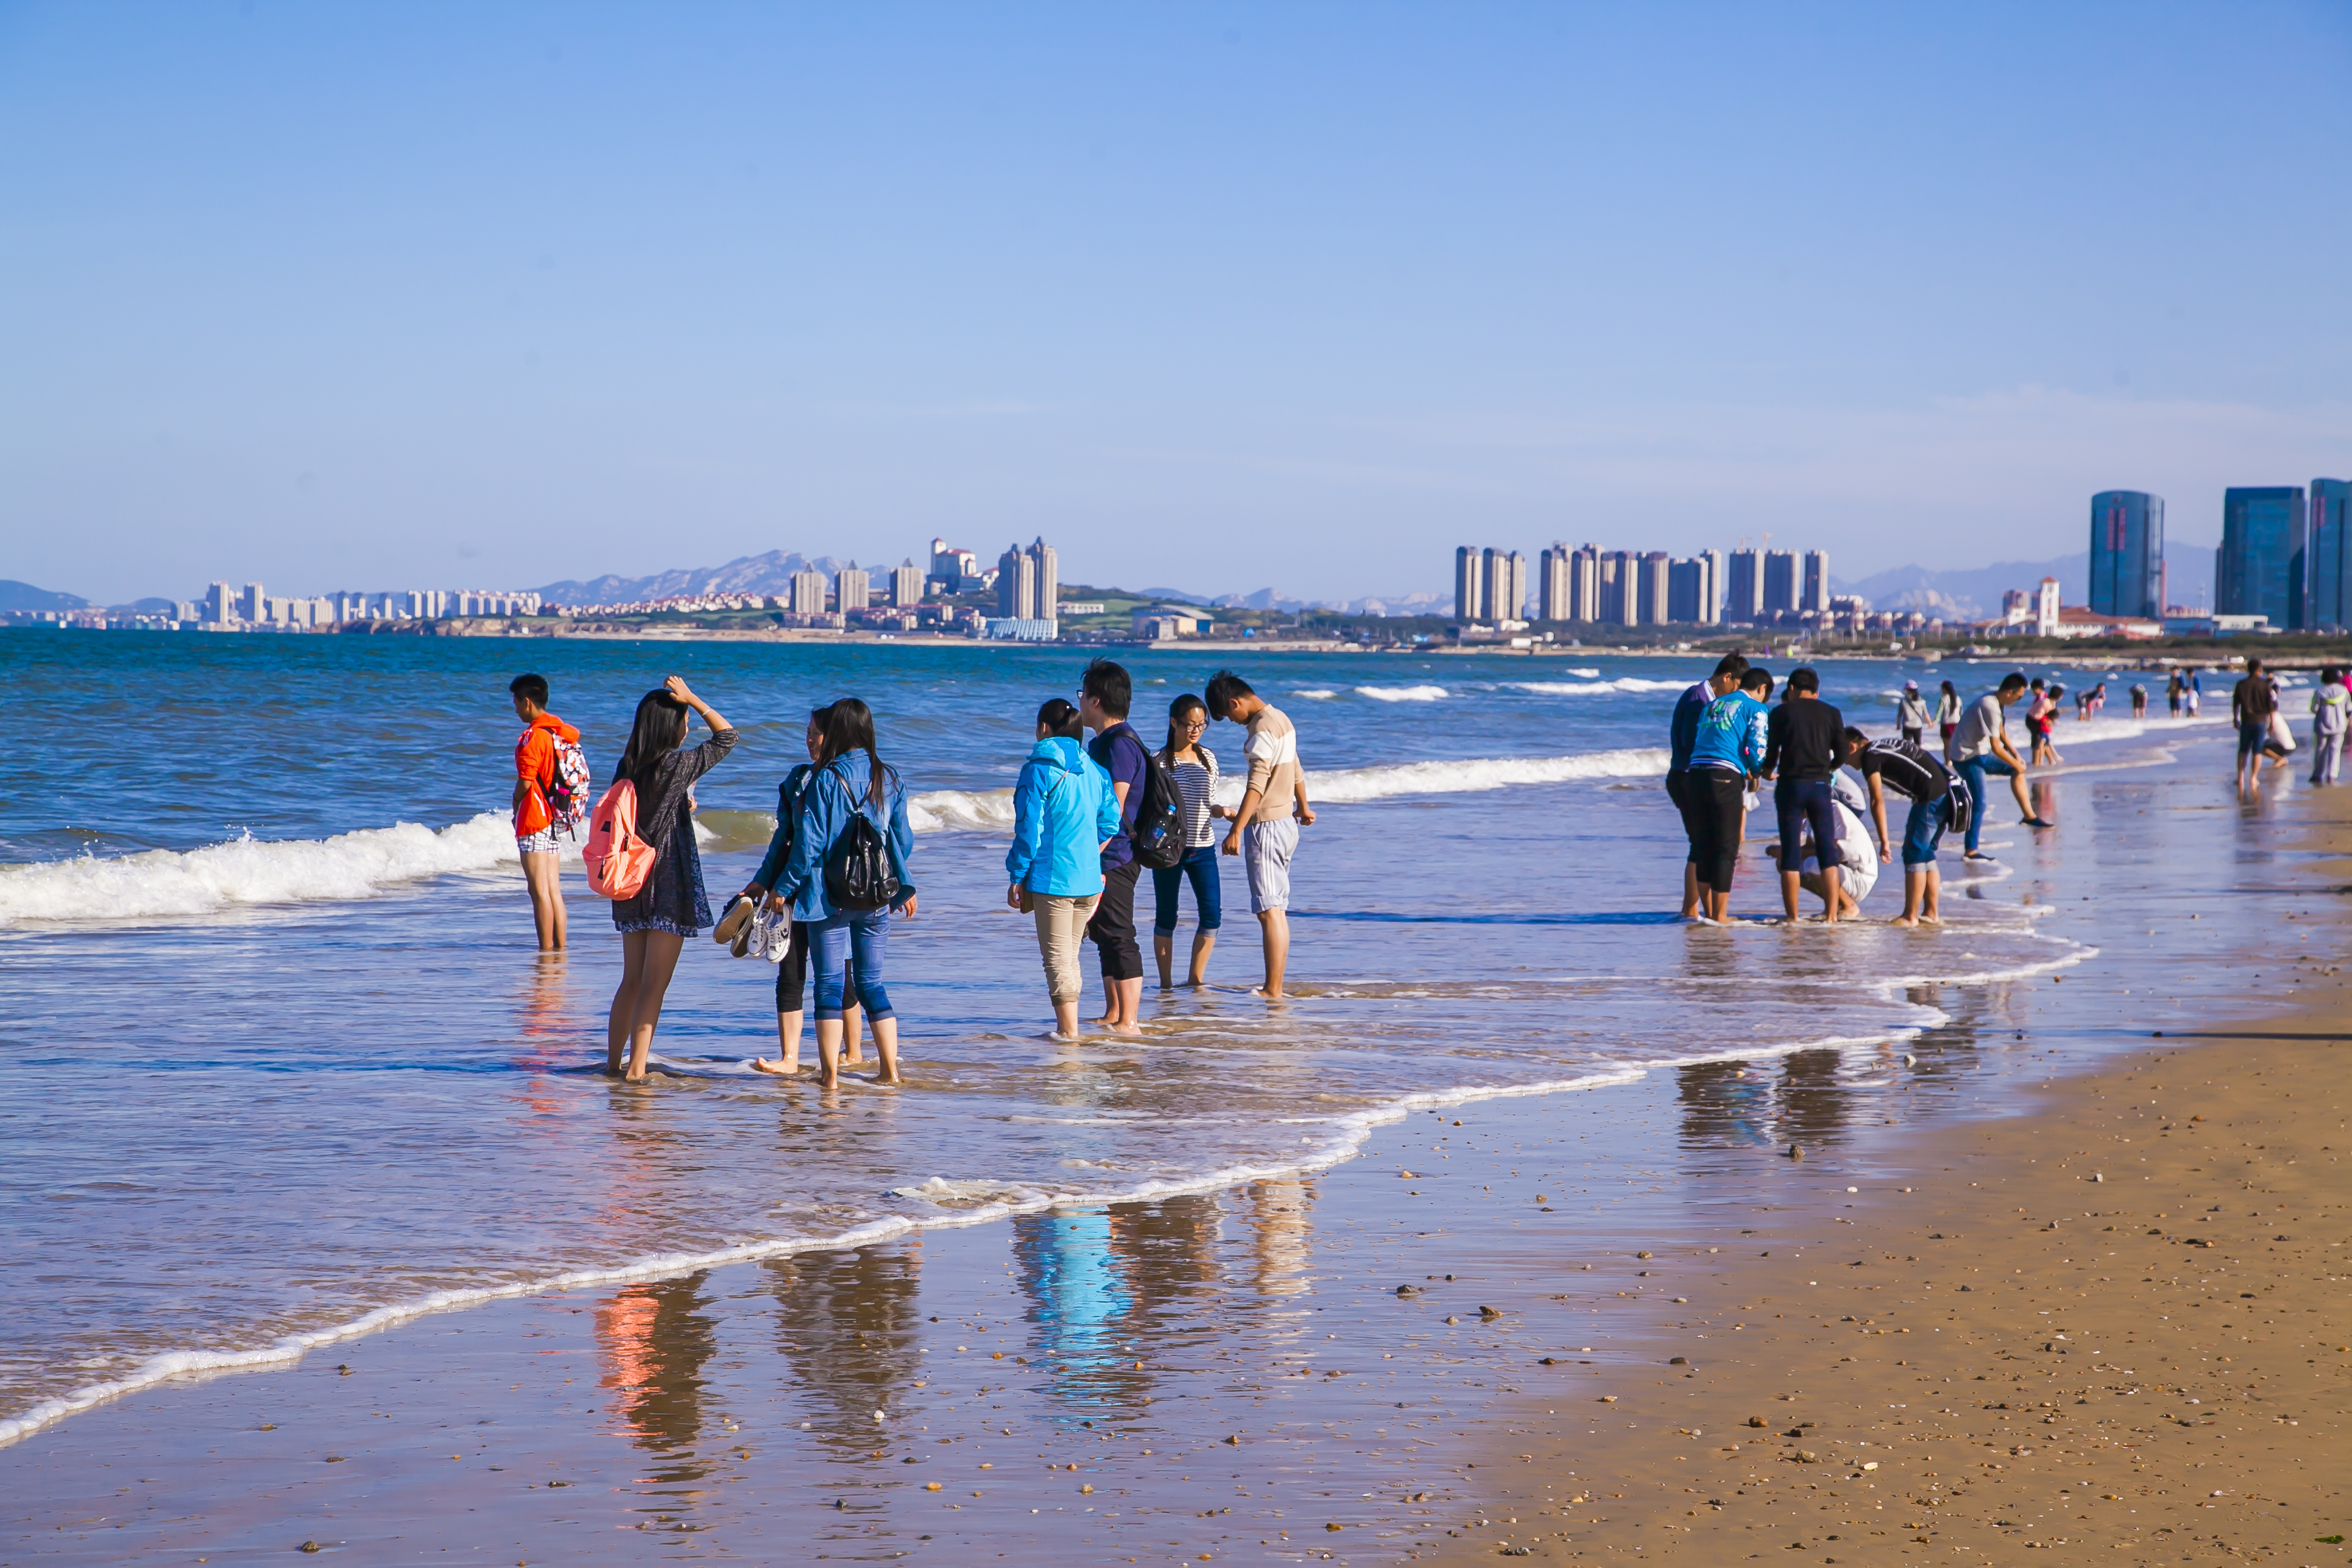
(286, 1068)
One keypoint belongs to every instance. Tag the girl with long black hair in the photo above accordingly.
(1194, 768)
(850, 779)
(671, 906)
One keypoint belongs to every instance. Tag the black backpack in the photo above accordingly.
(1159, 831)
(858, 876)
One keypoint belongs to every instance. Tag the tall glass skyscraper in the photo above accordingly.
(2259, 569)
(2128, 555)
(2329, 580)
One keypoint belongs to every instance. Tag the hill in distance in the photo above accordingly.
(769, 573)
(1973, 594)
(15, 595)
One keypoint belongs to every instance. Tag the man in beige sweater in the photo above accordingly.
(1274, 807)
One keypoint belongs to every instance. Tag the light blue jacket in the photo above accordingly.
(834, 794)
(1063, 810)
(1731, 734)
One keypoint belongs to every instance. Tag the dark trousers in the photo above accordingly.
(1112, 931)
(1688, 803)
(1718, 799)
(1801, 801)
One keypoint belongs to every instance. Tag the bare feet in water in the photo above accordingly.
(778, 1066)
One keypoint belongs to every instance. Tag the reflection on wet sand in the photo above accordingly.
(652, 1342)
(846, 1324)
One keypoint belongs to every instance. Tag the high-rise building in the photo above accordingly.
(1505, 589)
(1584, 583)
(1743, 588)
(2327, 583)
(808, 592)
(252, 605)
(1711, 602)
(905, 586)
(1816, 596)
(1691, 589)
(2259, 568)
(220, 605)
(1780, 581)
(1470, 583)
(1553, 577)
(1045, 580)
(1016, 584)
(1621, 588)
(853, 588)
(1653, 571)
(2128, 555)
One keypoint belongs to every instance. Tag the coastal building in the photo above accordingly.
(1743, 587)
(2128, 555)
(1016, 586)
(2327, 583)
(1166, 622)
(808, 593)
(1019, 629)
(2046, 608)
(905, 586)
(219, 605)
(1652, 574)
(1779, 582)
(1691, 587)
(1470, 583)
(2259, 568)
(1584, 583)
(1045, 567)
(1552, 566)
(852, 589)
(1815, 599)
(952, 563)
(1507, 585)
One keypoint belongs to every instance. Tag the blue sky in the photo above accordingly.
(1221, 296)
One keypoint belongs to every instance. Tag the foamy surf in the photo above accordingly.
(1585, 687)
(1403, 693)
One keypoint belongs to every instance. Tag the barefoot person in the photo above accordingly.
(1104, 697)
(2328, 713)
(1911, 713)
(1980, 749)
(1911, 770)
(791, 975)
(1683, 734)
(848, 944)
(1064, 814)
(550, 800)
(2251, 702)
(1194, 768)
(1725, 753)
(1803, 743)
(1274, 807)
(671, 906)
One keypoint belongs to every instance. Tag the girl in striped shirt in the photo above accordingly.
(1194, 768)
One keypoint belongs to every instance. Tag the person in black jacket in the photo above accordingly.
(1804, 741)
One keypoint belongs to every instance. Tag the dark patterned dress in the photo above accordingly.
(672, 899)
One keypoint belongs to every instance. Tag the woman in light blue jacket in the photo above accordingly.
(1063, 812)
(848, 780)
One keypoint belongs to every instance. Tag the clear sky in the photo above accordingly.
(1213, 296)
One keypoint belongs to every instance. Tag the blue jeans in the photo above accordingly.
(1975, 770)
(845, 941)
(1925, 830)
(1199, 866)
(1797, 802)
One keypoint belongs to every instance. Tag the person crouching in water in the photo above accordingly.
(1063, 814)
(1911, 770)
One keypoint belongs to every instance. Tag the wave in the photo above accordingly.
(1318, 693)
(250, 871)
(1403, 693)
(1343, 785)
(1578, 687)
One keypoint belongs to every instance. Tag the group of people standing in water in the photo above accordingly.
(1087, 816)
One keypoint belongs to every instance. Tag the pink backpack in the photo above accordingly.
(618, 860)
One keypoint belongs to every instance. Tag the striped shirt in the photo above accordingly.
(1194, 782)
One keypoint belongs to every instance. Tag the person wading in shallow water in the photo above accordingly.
(1273, 809)
(1689, 708)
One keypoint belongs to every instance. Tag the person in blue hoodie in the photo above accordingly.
(1064, 812)
(791, 973)
(848, 779)
(1727, 751)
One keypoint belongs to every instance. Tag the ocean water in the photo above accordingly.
(288, 1069)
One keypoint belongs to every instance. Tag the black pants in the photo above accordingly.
(1688, 801)
(1718, 803)
(1802, 801)
(1112, 931)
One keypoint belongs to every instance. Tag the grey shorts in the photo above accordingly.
(1266, 848)
(548, 840)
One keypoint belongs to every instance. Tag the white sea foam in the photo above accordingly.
(1587, 674)
(248, 871)
(1466, 776)
(1581, 688)
(949, 810)
(1318, 693)
(1403, 693)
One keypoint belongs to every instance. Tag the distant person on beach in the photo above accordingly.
(1912, 772)
(849, 938)
(2195, 692)
(2041, 719)
(2173, 689)
(1064, 814)
(1981, 749)
(1727, 753)
(2139, 700)
(2251, 702)
(791, 973)
(1104, 697)
(550, 801)
(1689, 708)
(2328, 716)
(1803, 743)
(1948, 716)
(1911, 713)
(671, 906)
(1194, 768)
(1273, 808)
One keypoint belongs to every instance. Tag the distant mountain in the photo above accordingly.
(769, 573)
(1376, 604)
(1974, 593)
(15, 595)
